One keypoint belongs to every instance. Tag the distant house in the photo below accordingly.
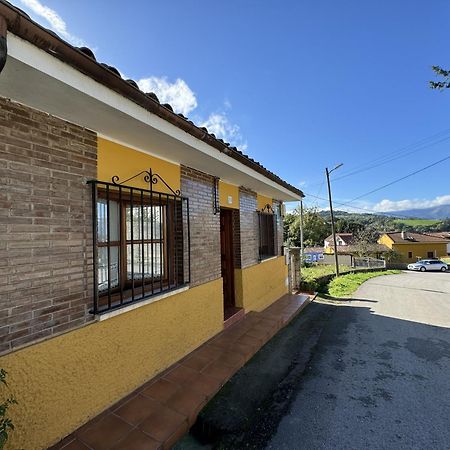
(346, 245)
(443, 235)
(313, 254)
(413, 246)
(342, 239)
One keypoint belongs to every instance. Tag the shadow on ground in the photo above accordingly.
(247, 411)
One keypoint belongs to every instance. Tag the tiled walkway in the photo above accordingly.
(162, 410)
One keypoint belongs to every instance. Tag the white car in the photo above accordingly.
(425, 265)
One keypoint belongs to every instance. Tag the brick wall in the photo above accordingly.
(248, 219)
(45, 224)
(204, 224)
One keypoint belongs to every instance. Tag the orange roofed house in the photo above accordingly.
(128, 233)
(414, 246)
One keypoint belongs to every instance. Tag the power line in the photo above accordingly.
(399, 179)
(394, 158)
(394, 155)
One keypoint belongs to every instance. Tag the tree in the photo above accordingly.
(315, 228)
(441, 85)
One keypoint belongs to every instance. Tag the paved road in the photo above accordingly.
(380, 375)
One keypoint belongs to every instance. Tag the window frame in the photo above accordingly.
(265, 218)
(173, 240)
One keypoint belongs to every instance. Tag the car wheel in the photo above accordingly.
(422, 269)
(443, 269)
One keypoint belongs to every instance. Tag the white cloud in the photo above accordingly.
(55, 21)
(178, 94)
(220, 125)
(399, 205)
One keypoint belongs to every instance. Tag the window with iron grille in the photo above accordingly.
(267, 235)
(141, 244)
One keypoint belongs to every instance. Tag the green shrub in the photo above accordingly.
(6, 424)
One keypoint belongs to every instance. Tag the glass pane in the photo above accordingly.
(151, 215)
(102, 212)
(149, 255)
(103, 268)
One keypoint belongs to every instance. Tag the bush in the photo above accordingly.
(6, 424)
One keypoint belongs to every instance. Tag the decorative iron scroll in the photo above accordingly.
(150, 178)
(267, 209)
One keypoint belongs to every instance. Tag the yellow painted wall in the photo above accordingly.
(62, 382)
(386, 240)
(226, 190)
(260, 285)
(419, 250)
(262, 201)
(116, 159)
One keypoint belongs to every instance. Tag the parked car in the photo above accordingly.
(425, 265)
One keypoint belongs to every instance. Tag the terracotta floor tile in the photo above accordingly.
(123, 400)
(207, 351)
(137, 409)
(219, 371)
(206, 384)
(250, 341)
(105, 433)
(63, 442)
(188, 402)
(246, 350)
(196, 362)
(75, 445)
(181, 375)
(164, 424)
(232, 359)
(161, 390)
(137, 440)
(223, 341)
(262, 335)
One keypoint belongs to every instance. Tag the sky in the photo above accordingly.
(297, 85)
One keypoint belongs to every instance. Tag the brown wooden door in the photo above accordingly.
(226, 250)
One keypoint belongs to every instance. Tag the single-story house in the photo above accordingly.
(414, 246)
(342, 239)
(312, 254)
(443, 235)
(129, 234)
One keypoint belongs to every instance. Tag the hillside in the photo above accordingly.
(436, 213)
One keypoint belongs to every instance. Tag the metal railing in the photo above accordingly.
(369, 263)
(141, 243)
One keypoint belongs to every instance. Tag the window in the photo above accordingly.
(410, 255)
(141, 244)
(267, 235)
(430, 255)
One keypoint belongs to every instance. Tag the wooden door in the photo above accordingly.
(226, 250)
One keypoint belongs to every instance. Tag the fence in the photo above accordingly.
(369, 263)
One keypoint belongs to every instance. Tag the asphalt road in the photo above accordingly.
(379, 377)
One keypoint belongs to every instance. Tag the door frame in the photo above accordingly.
(231, 301)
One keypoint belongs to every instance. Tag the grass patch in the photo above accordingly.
(347, 284)
(312, 273)
(446, 260)
(417, 222)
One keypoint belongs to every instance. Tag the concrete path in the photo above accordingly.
(380, 375)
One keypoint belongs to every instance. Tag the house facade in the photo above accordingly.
(129, 235)
(414, 246)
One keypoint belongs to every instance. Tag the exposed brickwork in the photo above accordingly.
(204, 224)
(248, 219)
(45, 224)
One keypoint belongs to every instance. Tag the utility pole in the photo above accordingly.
(333, 229)
(301, 233)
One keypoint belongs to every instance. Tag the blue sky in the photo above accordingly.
(298, 85)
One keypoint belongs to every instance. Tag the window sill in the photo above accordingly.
(270, 258)
(139, 304)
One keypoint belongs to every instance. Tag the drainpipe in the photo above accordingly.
(3, 47)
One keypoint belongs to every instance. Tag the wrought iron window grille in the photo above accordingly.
(141, 241)
(267, 228)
